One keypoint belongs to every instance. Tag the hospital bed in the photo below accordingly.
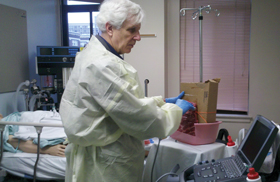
(30, 165)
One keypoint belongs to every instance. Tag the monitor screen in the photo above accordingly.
(255, 140)
(46, 51)
(61, 51)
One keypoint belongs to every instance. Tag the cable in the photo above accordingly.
(170, 173)
(155, 160)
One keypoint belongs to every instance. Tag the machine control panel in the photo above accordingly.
(57, 51)
(52, 60)
(56, 54)
(213, 171)
(56, 59)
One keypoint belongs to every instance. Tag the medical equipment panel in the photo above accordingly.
(251, 153)
(54, 65)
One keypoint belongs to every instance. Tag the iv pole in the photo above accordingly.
(194, 16)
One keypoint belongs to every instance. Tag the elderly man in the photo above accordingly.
(105, 114)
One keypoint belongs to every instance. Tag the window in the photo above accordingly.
(225, 49)
(78, 19)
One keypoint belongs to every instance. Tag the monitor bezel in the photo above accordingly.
(261, 155)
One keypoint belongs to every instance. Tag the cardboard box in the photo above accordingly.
(205, 96)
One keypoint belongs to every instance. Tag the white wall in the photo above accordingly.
(265, 59)
(148, 54)
(157, 58)
(172, 48)
(43, 28)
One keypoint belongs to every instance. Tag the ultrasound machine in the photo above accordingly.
(250, 154)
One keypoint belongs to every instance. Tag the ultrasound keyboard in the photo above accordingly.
(232, 167)
(224, 170)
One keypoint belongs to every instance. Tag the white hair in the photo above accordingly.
(116, 12)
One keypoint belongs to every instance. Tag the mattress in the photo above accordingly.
(22, 165)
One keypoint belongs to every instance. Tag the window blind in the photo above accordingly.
(225, 49)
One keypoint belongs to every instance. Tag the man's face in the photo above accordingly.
(125, 38)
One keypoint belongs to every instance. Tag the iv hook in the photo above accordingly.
(207, 9)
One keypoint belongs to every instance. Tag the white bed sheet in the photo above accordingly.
(22, 165)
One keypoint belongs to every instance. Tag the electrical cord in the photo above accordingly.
(155, 160)
(166, 174)
(172, 173)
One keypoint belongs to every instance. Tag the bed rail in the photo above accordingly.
(38, 127)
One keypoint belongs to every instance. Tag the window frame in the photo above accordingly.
(65, 9)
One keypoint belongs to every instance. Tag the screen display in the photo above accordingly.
(46, 51)
(255, 141)
(56, 51)
(61, 51)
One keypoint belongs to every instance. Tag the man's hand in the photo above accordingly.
(174, 99)
(185, 105)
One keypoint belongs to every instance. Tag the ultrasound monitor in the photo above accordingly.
(257, 142)
(251, 153)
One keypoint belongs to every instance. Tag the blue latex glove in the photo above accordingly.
(174, 99)
(185, 105)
